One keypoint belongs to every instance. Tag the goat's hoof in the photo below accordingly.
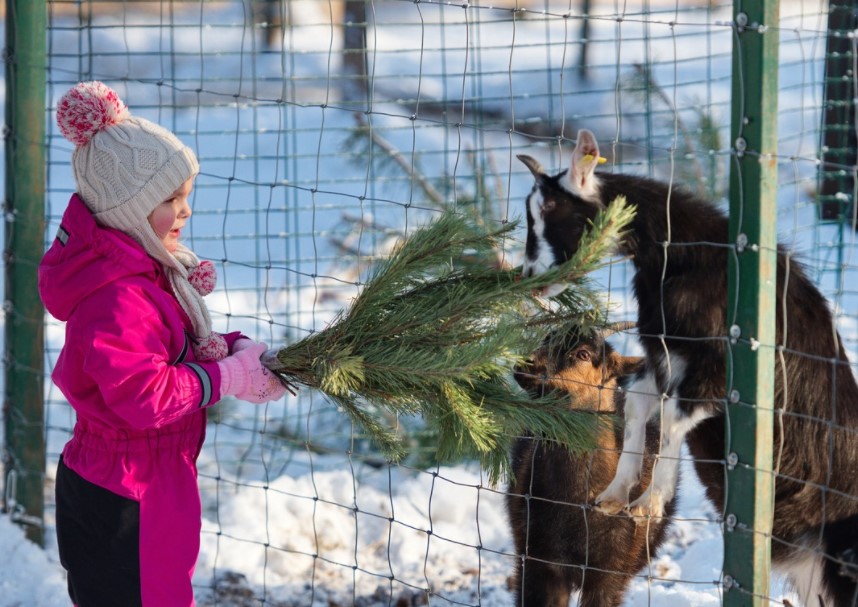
(644, 511)
(609, 505)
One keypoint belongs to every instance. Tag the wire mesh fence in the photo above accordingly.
(326, 131)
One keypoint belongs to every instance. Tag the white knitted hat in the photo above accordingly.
(125, 167)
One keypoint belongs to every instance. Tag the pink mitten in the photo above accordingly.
(242, 343)
(244, 376)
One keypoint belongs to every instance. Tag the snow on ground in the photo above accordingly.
(359, 547)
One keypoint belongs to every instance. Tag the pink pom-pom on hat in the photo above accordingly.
(203, 277)
(88, 108)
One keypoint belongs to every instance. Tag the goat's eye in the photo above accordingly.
(583, 355)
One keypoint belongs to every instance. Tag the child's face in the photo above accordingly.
(170, 216)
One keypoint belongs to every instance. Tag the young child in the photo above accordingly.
(140, 364)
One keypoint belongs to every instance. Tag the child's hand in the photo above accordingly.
(242, 343)
(244, 376)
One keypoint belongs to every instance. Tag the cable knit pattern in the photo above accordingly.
(124, 166)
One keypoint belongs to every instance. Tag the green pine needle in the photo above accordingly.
(427, 337)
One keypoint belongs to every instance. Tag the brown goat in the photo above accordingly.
(563, 543)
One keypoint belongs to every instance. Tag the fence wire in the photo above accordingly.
(328, 129)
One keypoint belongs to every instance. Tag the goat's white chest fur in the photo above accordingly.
(542, 257)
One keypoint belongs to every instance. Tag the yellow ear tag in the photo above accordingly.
(589, 158)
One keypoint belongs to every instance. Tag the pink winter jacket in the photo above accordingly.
(140, 396)
(127, 362)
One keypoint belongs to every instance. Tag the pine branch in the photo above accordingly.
(429, 337)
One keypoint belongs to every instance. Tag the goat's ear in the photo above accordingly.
(617, 365)
(533, 165)
(585, 159)
(630, 364)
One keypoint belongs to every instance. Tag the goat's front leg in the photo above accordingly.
(642, 403)
(675, 425)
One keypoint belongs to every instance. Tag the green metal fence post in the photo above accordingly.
(751, 304)
(24, 214)
(838, 153)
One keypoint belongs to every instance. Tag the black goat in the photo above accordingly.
(681, 290)
(564, 544)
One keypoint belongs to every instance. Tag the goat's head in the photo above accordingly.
(560, 207)
(585, 366)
